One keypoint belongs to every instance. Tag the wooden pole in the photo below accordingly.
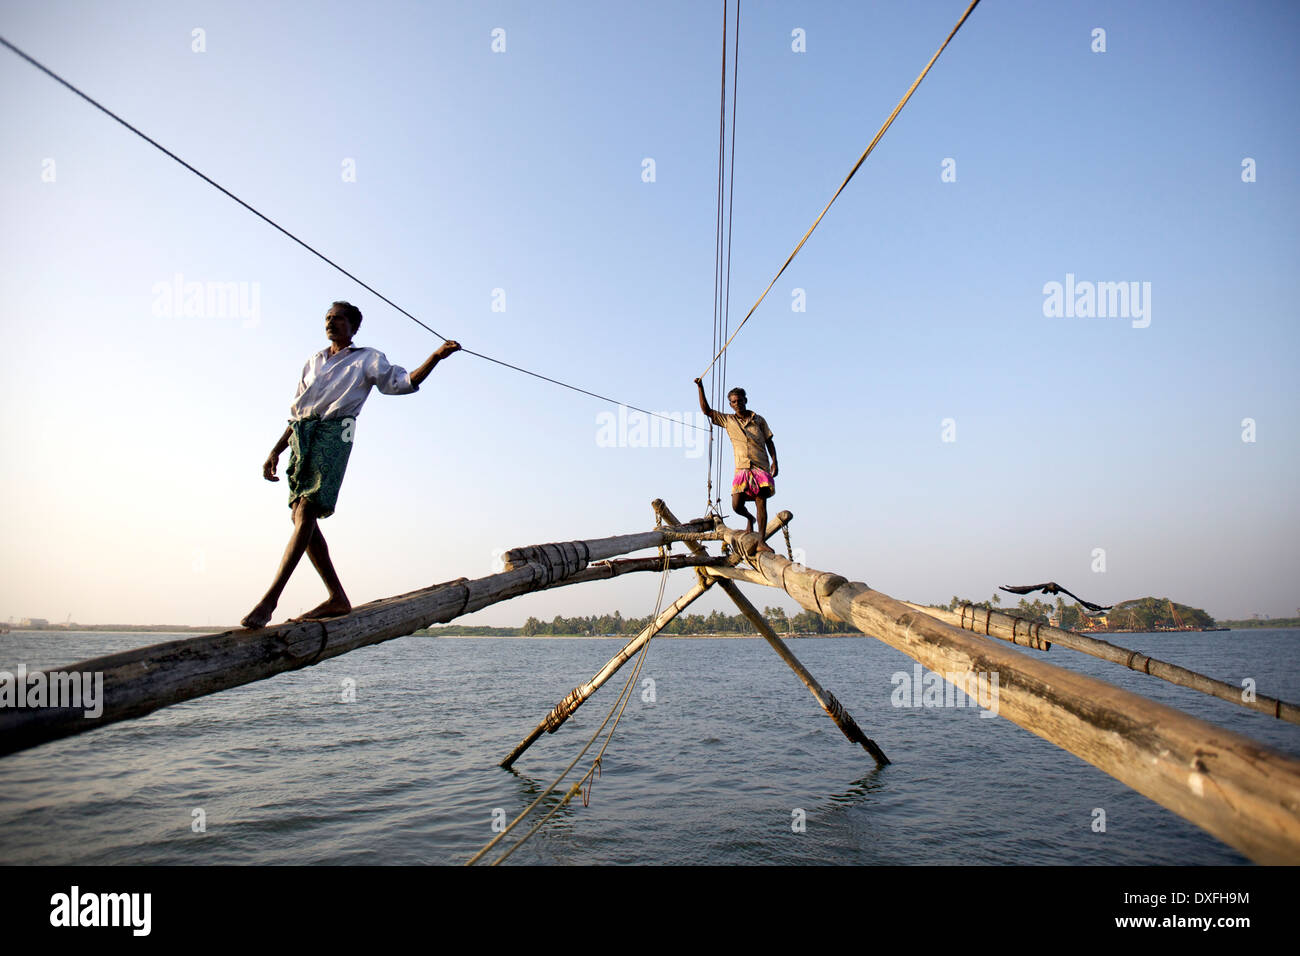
(604, 570)
(578, 554)
(834, 709)
(1035, 634)
(829, 703)
(576, 697)
(140, 681)
(560, 713)
(1235, 788)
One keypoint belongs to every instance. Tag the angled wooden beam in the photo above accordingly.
(575, 555)
(604, 570)
(691, 533)
(748, 575)
(1235, 788)
(834, 709)
(140, 681)
(579, 695)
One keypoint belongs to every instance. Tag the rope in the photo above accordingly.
(717, 254)
(723, 223)
(731, 208)
(556, 381)
(596, 764)
(320, 255)
(861, 159)
(623, 697)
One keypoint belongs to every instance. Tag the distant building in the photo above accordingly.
(34, 622)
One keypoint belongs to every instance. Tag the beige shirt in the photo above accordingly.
(748, 441)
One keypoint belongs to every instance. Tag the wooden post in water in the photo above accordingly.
(1008, 627)
(834, 709)
(1235, 788)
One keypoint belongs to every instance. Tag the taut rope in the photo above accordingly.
(861, 159)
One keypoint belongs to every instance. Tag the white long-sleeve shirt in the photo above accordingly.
(336, 386)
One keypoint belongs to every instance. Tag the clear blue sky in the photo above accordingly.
(133, 446)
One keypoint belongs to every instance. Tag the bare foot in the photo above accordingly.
(258, 617)
(762, 548)
(334, 607)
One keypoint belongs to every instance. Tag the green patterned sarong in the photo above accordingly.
(318, 457)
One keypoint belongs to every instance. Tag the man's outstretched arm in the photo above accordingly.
(421, 373)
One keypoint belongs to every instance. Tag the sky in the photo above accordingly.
(942, 426)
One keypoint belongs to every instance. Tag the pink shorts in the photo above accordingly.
(753, 483)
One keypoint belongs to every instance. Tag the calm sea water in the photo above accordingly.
(715, 769)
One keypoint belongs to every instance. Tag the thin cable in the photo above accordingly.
(320, 255)
(861, 159)
(556, 381)
(211, 182)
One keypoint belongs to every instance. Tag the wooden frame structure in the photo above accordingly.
(1239, 790)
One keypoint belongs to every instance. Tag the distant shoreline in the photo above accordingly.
(423, 632)
(420, 633)
(126, 629)
(627, 637)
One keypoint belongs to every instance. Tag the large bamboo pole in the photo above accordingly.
(1008, 627)
(1235, 788)
(829, 703)
(140, 681)
(576, 697)
(584, 552)
(604, 570)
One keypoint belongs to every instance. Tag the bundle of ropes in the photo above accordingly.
(722, 254)
(616, 713)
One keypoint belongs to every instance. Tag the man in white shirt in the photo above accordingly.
(335, 384)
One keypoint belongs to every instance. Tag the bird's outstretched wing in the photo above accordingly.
(1051, 587)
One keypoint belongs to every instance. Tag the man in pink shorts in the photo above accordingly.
(751, 441)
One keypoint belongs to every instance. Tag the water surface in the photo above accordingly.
(717, 769)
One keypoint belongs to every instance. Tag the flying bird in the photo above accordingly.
(1051, 587)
